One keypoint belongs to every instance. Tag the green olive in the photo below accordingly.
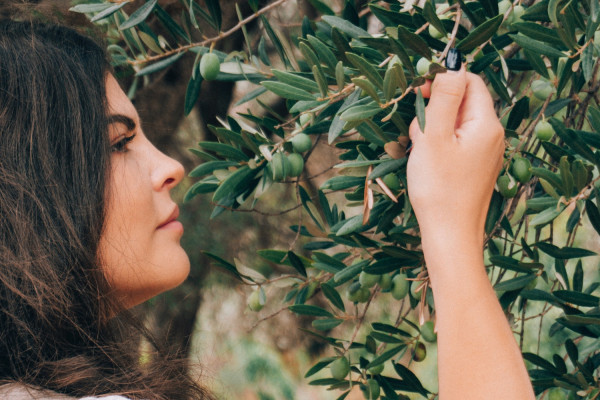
(209, 66)
(296, 164)
(556, 394)
(414, 285)
(368, 280)
(428, 333)
(423, 66)
(280, 166)
(419, 352)
(518, 12)
(434, 33)
(363, 295)
(391, 181)
(544, 131)
(305, 118)
(506, 186)
(400, 287)
(339, 368)
(532, 284)
(255, 302)
(504, 6)
(353, 292)
(385, 283)
(521, 169)
(376, 370)
(370, 389)
(301, 143)
(541, 89)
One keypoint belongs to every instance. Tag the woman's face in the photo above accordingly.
(139, 248)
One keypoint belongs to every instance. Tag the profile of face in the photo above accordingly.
(139, 248)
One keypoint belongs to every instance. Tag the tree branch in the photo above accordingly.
(214, 39)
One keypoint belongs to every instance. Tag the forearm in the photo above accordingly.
(477, 352)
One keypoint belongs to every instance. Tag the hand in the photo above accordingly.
(451, 174)
(453, 166)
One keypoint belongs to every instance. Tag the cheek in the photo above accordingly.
(127, 234)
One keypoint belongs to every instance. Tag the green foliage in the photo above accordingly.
(354, 88)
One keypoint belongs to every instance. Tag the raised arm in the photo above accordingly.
(451, 175)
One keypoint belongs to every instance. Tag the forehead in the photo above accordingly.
(118, 102)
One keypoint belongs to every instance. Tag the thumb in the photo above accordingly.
(447, 94)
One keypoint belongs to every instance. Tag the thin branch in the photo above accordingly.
(298, 201)
(214, 39)
(360, 320)
(266, 318)
(453, 34)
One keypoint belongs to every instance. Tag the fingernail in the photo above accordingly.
(453, 60)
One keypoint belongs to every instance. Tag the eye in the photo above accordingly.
(120, 146)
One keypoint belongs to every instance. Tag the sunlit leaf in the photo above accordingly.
(348, 28)
(160, 65)
(139, 15)
(287, 91)
(108, 12)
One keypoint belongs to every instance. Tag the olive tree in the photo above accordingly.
(350, 79)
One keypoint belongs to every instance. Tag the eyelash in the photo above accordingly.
(121, 145)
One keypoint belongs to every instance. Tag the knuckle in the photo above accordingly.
(447, 89)
(448, 86)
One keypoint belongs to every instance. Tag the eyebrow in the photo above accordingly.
(122, 119)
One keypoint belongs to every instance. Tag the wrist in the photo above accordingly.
(454, 255)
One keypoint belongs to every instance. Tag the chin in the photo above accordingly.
(173, 271)
(179, 266)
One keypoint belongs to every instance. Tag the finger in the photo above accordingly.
(425, 89)
(447, 94)
(478, 103)
(414, 132)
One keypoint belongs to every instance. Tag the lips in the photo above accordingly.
(172, 218)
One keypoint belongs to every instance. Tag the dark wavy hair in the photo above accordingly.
(58, 329)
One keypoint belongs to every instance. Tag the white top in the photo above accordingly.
(20, 392)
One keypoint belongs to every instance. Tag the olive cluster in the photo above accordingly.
(284, 165)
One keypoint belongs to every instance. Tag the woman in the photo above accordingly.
(88, 229)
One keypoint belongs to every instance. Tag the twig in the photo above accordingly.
(360, 320)
(298, 201)
(581, 49)
(214, 39)
(266, 318)
(453, 34)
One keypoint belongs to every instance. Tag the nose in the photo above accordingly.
(167, 172)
